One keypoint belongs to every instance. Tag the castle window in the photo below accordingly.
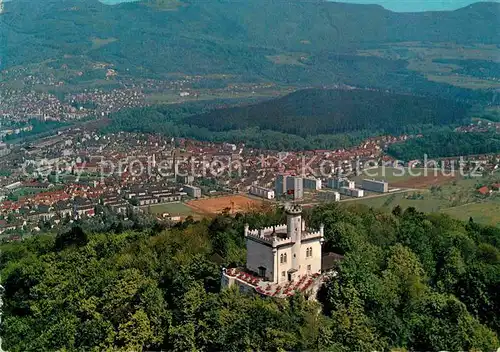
(262, 271)
(284, 258)
(309, 252)
(283, 273)
(281, 259)
(309, 267)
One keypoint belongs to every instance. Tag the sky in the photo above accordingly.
(416, 5)
(397, 5)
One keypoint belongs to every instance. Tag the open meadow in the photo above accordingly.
(487, 212)
(457, 197)
(404, 177)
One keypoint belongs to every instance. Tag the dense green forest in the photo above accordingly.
(476, 68)
(323, 111)
(307, 119)
(169, 120)
(443, 144)
(239, 38)
(408, 280)
(228, 33)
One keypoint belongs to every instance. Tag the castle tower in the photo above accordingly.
(294, 231)
(294, 221)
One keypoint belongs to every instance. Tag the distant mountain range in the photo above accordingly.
(393, 5)
(317, 40)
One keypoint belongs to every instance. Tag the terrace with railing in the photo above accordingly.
(304, 284)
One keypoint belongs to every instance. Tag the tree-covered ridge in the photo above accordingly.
(325, 111)
(476, 68)
(408, 280)
(445, 144)
(169, 121)
(304, 120)
(213, 30)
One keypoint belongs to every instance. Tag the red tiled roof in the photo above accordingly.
(484, 190)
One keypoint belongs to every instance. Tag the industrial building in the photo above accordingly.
(312, 183)
(262, 192)
(352, 192)
(192, 191)
(375, 186)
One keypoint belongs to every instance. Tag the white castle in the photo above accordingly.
(280, 255)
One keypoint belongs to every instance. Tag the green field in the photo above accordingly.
(171, 208)
(487, 212)
(389, 174)
(421, 200)
(482, 211)
(421, 56)
(459, 199)
(171, 97)
(464, 81)
(26, 191)
(100, 42)
(288, 59)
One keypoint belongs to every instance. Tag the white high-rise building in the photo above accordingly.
(312, 183)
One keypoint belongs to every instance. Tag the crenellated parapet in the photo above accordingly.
(311, 234)
(266, 231)
(272, 235)
(274, 241)
(255, 234)
(314, 234)
(293, 209)
(281, 241)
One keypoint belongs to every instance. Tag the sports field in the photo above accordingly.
(174, 209)
(235, 203)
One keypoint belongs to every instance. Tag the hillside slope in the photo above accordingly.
(201, 36)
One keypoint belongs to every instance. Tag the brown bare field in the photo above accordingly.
(424, 181)
(235, 203)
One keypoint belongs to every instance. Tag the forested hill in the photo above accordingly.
(409, 281)
(197, 36)
(446, 144)
(323, 111)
